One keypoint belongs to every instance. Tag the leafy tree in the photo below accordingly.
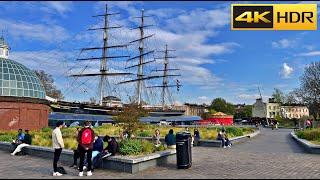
(48, 83)
(279, 118)
(212, 111)
(309, 91)
(278, 96)
(244, 112)
(129, 118)
(221, 105)
(205, 115)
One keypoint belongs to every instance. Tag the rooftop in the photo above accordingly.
(19, 81)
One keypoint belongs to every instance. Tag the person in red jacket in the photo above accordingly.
(85, 140)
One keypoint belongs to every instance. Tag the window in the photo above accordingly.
(7, 53)
(1, 51)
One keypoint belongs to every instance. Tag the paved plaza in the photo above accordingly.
(271, 154)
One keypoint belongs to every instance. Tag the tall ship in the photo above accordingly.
(135, 75)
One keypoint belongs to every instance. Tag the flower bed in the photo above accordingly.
(312, 135)
(129, 147)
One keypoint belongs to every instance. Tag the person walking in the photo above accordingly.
(58, 145)
(196, 137)
(85, 140)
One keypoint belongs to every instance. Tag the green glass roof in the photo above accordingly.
(17, 80)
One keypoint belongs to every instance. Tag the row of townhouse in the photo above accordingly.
(271, 109)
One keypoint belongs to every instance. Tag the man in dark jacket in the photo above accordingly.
(112, 148)
(85, 140)
(170, 139)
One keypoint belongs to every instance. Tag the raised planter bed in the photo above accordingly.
(309, 147)
(235, 140)
(129, 164)
(209, 143)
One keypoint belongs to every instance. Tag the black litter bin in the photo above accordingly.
(183, 147)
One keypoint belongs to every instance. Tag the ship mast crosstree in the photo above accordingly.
(103, 74)
(141, 74)
(141, 77)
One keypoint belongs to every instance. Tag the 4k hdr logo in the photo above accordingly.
(274, 17)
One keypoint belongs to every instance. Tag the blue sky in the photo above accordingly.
(214, 60)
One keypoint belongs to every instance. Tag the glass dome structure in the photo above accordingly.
(18, 81)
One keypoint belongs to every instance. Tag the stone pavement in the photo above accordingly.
(272, 154)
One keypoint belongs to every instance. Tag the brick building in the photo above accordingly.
(22, 96)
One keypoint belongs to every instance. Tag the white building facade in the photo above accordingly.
(294, 111)
(273, 109)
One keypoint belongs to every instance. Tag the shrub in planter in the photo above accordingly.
(130, 147)
(46, 129)
(161, 148)
(144, 134)
(147, 147)
(313, 134)
(6, 138)
(233, 131)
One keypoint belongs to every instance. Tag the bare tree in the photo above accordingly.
(309, 90)
(291, 98)
(48, 83)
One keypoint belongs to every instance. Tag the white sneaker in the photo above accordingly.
(12, 154)
(89, 173)
(107, 155)
(229, 146)
(56, 174)
(224, 146)
(80, 174)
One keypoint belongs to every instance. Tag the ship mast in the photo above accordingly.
(103, 60)
(165, 86)
(141, 77)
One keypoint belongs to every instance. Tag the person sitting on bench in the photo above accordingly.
(112, 149)
(25, 142)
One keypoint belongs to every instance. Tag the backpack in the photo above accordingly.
(61, 170)
(86, 136)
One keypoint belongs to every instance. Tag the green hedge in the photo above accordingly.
(137, 147)
(130, 147)
(6, 138)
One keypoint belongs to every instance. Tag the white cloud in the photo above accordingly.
(199, 20)
(54, 62)
(204, 99)
(311, 53)
(60, 7)
(284, 43)
(41, 32)
(251, 96)
(286, 71)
